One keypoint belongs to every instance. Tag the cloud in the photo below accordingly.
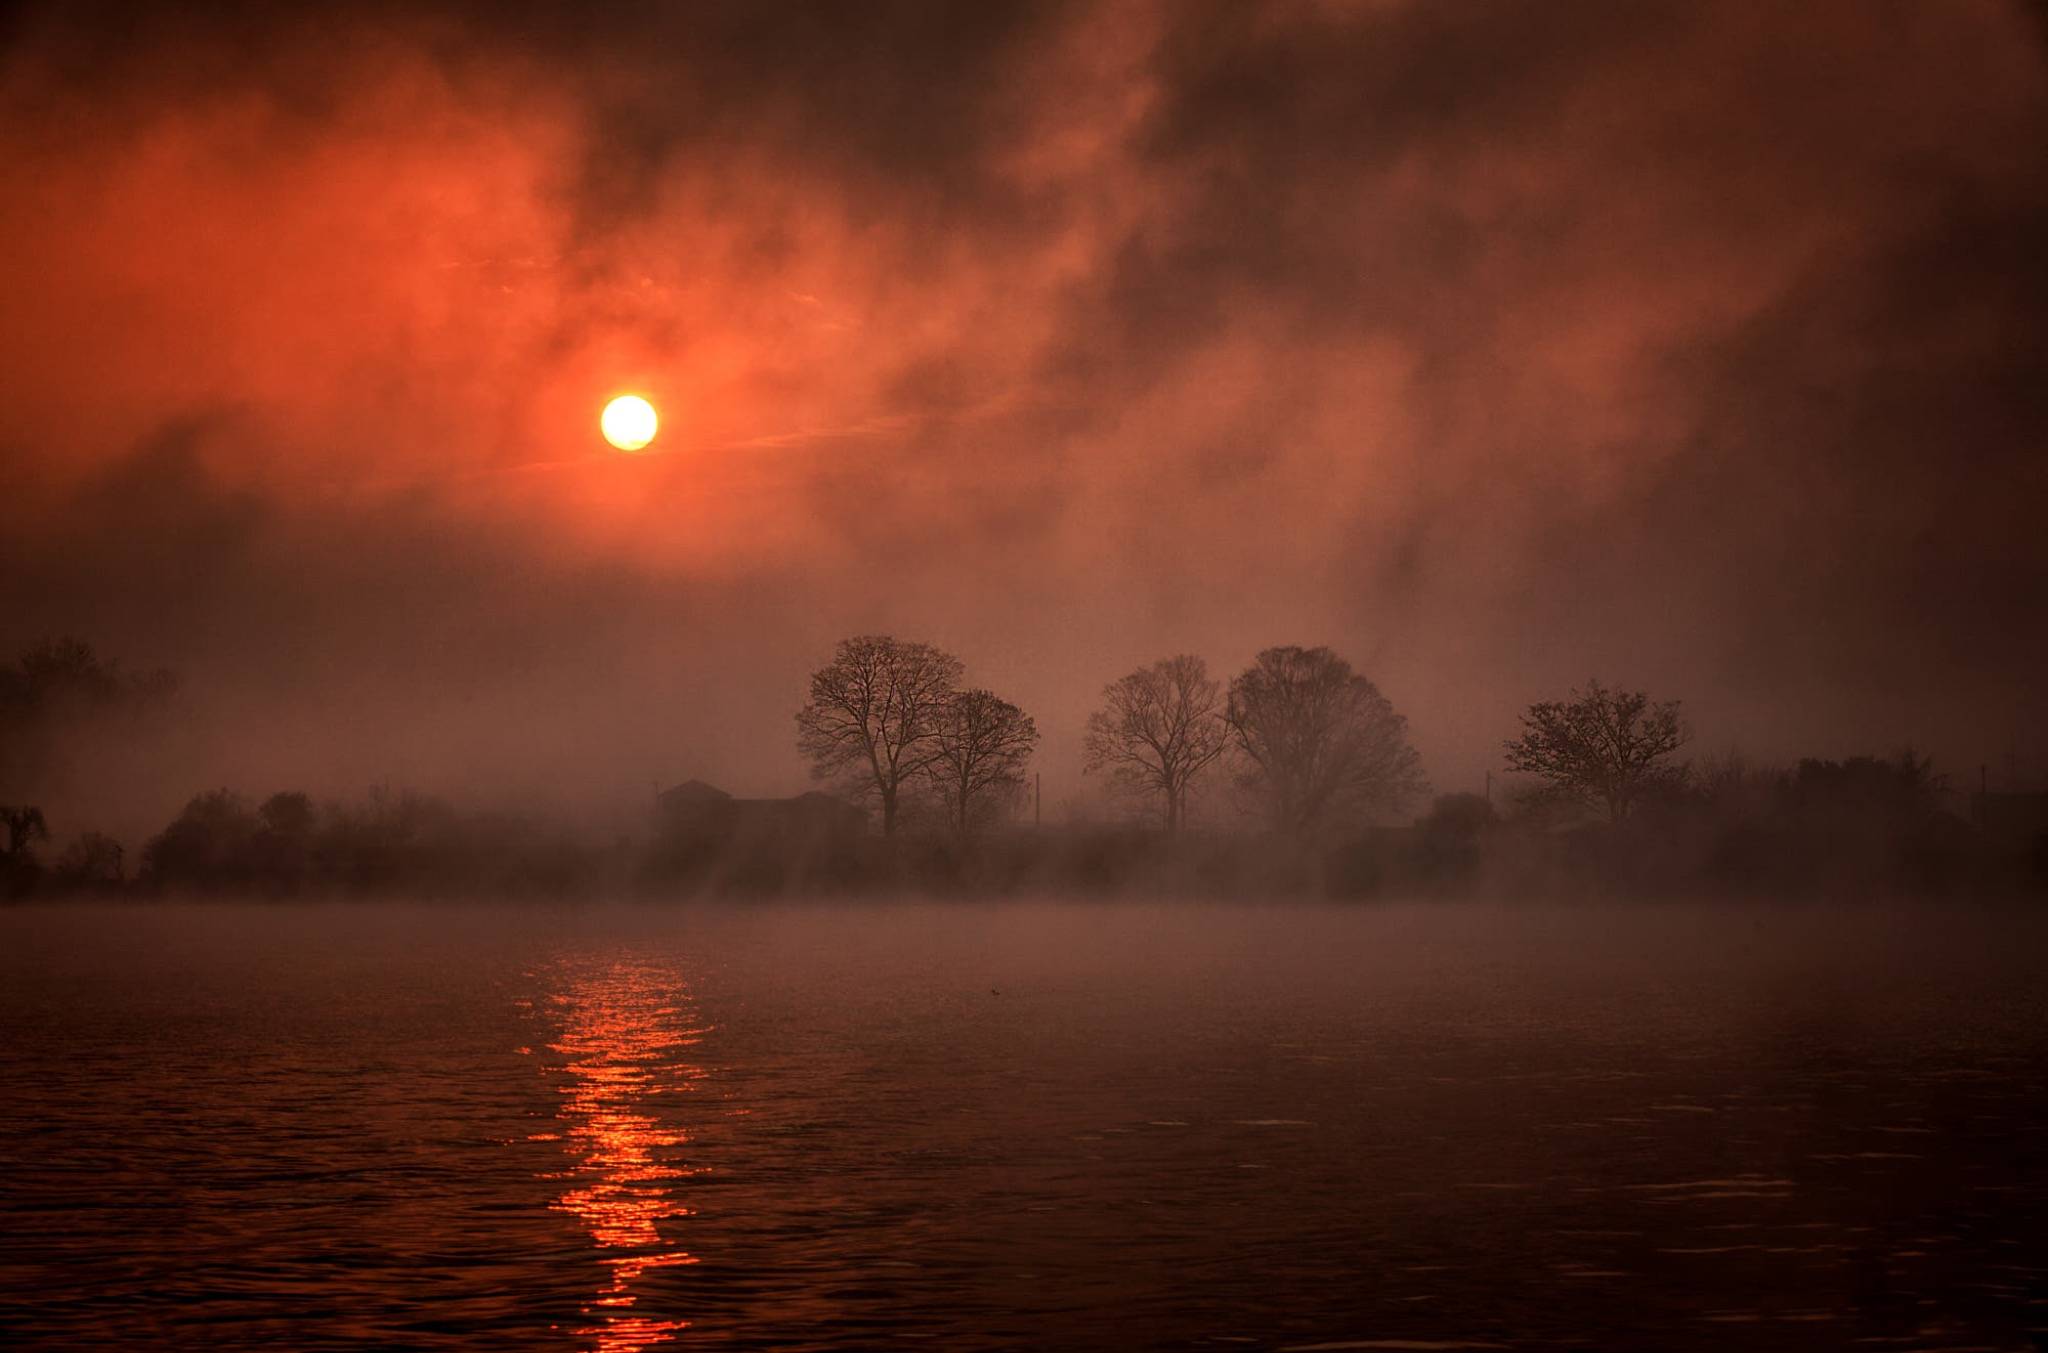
(1696, 347)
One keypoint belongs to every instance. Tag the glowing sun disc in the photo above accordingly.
(628, 422)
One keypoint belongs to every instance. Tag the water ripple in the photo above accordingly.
(625, 1028)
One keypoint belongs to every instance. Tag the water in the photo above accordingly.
(1023, 1126)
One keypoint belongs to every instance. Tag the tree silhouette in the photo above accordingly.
(872, 722)
(1600, 746)
(93, 860)
(25, 827)
(1158, 729)
(206, 845)
(1321, 748)
(983, 744)
(54, 691)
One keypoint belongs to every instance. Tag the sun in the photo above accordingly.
(628, 422)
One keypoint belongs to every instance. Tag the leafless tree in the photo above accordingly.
(93, 859)
(872, 722)
(56, 691)
(984, 742)
(1600, 746)
(1157, 730)
(25, 827)
(1320, 748)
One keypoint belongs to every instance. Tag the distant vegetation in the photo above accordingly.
(887, 723)
(55, 691)
(1302, 769)
(1602, 748)
(1319, 751)
(289, 846)
(1159, 728)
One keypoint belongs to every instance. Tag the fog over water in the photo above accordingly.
(1023, 1125)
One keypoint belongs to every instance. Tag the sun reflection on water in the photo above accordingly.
(623, 1028)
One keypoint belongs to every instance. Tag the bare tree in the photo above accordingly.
(1320, 747)
(984, 742)
(92, 860)
(1600, 746)
(57, 691)
(873, 718)
(25, 827)
(1158, 729)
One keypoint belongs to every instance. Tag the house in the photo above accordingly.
(699, 814)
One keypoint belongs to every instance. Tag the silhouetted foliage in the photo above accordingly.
(52, 691)
(1600, 747)
(1859, 823)
(397, 844)
(1458, 817)
(25, 827)
(983, 745)
(387, 841)
(871, 725)
(1320, 749)
(219, 842)
(19, 868)
(1159, 728)
(1452, 832)
(289, 815)
(1865, 787)
(1317, 748)
(208, 845)
(286, 843)
(93, 861)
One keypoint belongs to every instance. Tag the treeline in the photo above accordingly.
(1295, 776)
(289, 846)
(1861, 828)
(1305, 773)
(53, 695)
(1864, 827)
(1311, 749)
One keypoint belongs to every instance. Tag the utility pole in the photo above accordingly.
(1037, 798)
(1489, 789)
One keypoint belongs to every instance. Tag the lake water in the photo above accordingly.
(1023, 1126)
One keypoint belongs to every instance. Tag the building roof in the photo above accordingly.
(693, 792)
